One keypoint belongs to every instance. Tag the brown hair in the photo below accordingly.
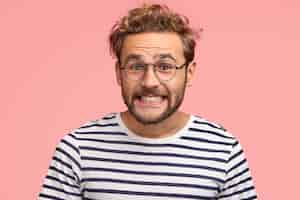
(153, 18)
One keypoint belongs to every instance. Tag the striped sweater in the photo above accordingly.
(104, 160)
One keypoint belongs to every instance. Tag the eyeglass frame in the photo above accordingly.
(154, 68)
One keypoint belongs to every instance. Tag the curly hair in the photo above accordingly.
(153, 18)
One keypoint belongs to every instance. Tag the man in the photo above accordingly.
(153, 150)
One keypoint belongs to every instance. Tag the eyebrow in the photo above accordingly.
(133, 56)
(164, 56)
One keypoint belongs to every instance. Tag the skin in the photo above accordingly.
(151, 120)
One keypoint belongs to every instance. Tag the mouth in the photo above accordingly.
(151, 101)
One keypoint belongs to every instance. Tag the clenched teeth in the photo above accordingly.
(154, 99)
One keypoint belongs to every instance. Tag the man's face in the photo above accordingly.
(149, 99)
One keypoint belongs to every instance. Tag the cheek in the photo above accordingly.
(172, 93)
(175, 89)
(128, 88)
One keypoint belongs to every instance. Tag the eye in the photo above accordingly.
(165, 67)
(136, 66)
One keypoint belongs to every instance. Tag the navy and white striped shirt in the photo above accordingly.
(103, 160)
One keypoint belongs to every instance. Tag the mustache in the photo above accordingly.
(150, 91)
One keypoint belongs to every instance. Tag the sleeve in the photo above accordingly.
(238, 181)
(62, 181)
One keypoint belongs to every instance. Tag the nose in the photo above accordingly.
(150, 80)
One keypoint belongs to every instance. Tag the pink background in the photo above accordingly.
(56, 74)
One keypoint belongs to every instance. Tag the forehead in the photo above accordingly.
(150, 45)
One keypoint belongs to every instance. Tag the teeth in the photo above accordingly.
(151, 99)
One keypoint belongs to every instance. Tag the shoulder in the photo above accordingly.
(106, 124)
(204, 125)
(105, 121)
(208, 134)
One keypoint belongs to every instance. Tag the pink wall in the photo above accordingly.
(56, 73)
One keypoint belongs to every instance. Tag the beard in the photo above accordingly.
(172, 104)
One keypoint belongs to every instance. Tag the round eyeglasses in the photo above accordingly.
(164, 71)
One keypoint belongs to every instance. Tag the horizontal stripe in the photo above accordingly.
(87, 198)
(100, 133)
(250, 198)
(157, 194)
(209, 124)
(69, 156)
(235, 155)
(108, 118)
(62, 172)
(70, 145)
(61, 190)
(60, 181)
(62, 162)
(75, 177)
(238, 183)
(237, 175)
(50, 196)
(152, 145)
(150, 183)
(152, 173)
(235, 144)
(238, 192)
(199, 149)
(205, 140)
(152, 163)
(151, 154)
(210, 132)
(202, 163)
(99, 125)
(237, 165)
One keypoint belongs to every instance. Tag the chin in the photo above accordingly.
(151, 120)
(148, 121)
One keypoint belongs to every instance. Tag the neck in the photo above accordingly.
(165, 128)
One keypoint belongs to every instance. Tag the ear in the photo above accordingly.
(118, 72)
(190, 72)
